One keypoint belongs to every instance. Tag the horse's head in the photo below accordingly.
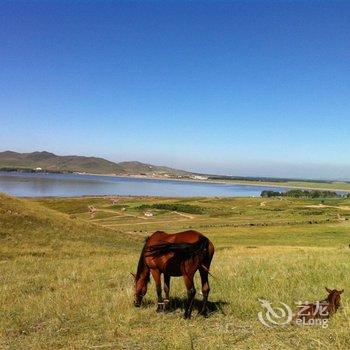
(141, 282)
(334, 296)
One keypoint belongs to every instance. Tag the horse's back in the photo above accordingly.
(190, 236)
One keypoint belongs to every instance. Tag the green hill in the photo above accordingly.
(51, 162)
(33, 229)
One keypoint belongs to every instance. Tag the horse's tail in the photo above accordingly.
(185, 250)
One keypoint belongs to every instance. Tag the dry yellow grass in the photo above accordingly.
(65, 281)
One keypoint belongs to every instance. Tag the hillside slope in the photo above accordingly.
(54, 268)
(139, 168)
(52, 162)
(31, 228)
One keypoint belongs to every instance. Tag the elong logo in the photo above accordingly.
(282, 314)
(274, 316)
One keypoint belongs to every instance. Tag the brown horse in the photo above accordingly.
(321, 309)
(178, 254)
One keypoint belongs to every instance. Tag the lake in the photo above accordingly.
(71, 185)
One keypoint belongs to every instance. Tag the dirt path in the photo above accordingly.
(184, 215)
(145, 223)
(322, 206)
(117, 214)
(120, 214)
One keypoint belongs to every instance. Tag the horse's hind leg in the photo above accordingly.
(166, 290)
(191, 292)
(156, 276)
(205, 291)
(204, 272)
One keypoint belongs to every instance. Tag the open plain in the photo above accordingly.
(65, 268)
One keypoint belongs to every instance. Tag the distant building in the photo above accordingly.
(199, 177)
(38, 169)
(114, 201)
(148, 214)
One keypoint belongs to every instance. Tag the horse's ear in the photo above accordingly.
(342, 291)
(328, 290)
(133, 275)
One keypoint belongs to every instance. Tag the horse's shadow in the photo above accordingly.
(177, 303)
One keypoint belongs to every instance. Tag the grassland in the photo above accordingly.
(65, 281)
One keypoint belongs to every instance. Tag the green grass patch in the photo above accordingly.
(184, 208)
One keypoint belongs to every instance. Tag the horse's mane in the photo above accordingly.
(186, 250)
(141, 263)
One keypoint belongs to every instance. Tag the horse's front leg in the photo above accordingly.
(191, 292)
(166, 290)
(156, 276)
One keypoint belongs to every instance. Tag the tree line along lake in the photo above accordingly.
(72, 185)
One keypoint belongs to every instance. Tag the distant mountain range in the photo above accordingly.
(46, 161)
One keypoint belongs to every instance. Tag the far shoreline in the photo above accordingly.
(228, 182)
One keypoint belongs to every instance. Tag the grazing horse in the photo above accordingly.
(178, 254)
(321, 309)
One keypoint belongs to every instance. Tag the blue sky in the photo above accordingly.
(241, 88)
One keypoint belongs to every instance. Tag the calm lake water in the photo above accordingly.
(64, 185)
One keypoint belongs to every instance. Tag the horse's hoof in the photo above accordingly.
(166, 305)
(166, 308)
(160, 309)
(204, 313)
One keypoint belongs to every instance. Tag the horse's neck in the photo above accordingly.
(331, 299)
(144, 274)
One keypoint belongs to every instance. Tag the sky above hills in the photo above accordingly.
(241, 88)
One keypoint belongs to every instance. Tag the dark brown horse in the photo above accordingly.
(178, 254)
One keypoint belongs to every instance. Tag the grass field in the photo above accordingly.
(65, 281)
